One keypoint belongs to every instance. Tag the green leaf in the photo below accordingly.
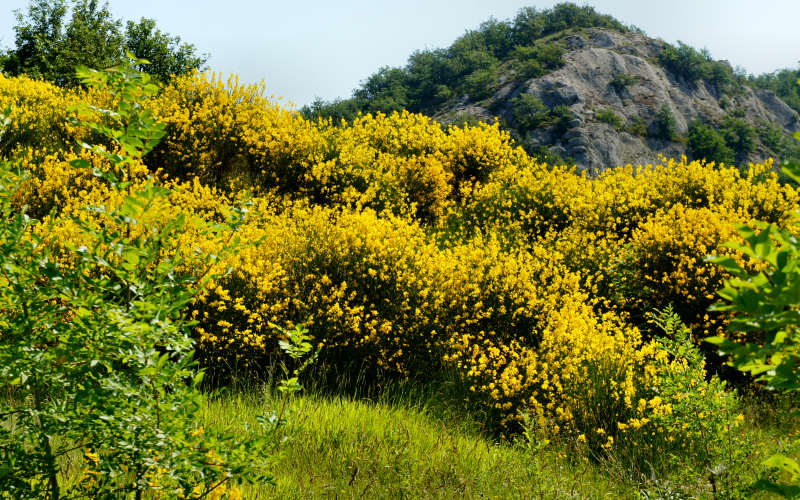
(727, 263)
(783, 463)
(80, 164)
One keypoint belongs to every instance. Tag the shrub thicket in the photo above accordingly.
(706, 143)
(97, 365)
(411, 250)
(693, 65)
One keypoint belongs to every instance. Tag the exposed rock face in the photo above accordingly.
(584, 84)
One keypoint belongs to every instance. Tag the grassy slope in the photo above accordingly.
(341, 448)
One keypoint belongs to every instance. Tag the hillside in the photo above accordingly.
(202, 232)
(570, 84)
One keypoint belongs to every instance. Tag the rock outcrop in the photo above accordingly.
(586, 85)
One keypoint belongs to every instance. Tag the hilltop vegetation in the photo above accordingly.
(573, 85)
(525, 47)
(783, 83)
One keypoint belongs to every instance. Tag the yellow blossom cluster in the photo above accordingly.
(408, 248)
(39, 112)
(637, 235)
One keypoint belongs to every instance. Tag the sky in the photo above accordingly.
(304, 49)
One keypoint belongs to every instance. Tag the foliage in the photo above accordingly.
(764, 301)
(97, 360)
(703, 411)
(529, 112)
(731, 141)
(665, 124)
(621, 81)
(637, 126)
(166, 54)
(781, 146)
(705, 142)
(533, 61)
(410, 250)
(739, 135)
(783, 83)
(693, 65)
(531, 24)
(50, 47)
(608, 116)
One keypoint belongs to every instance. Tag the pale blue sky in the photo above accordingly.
(307, 48)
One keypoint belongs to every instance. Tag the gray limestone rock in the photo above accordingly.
(584, 84)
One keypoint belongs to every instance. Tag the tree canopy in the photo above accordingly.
(53, 37)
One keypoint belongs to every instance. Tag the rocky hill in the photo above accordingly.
(617, 94)
(584, 88)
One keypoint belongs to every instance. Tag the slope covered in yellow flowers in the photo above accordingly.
(410, 249)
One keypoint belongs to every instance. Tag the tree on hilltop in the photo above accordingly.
(53, 37)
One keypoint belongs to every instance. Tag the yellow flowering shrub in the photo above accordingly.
(54, 183)
(38, 117)
(523, 201)
(379, 297)
(231, 134)
(664, 262)
(407, 247)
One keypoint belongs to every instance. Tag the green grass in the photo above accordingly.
(423, 442)
(342, 448)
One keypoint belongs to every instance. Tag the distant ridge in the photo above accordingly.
(573, 85)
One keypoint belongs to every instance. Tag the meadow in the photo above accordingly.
(396, 308)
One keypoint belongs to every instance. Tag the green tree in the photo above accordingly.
(166, 54)
(706, 143)
(665, 124)
(739, 136)
(38, 37)
(529, 112)
(53, 38)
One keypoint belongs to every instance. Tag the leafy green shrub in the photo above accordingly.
(479, 84)
(704, 142)
(637, 126)
(697, 428)
(766, 316)
(772, 136)
(780, 145)
(537, 60)
(608, 116)
(97, 362)
(692, 65)
(739, 135)
(560, 117)
(621, 81)
(529, 111)
(665, 124)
